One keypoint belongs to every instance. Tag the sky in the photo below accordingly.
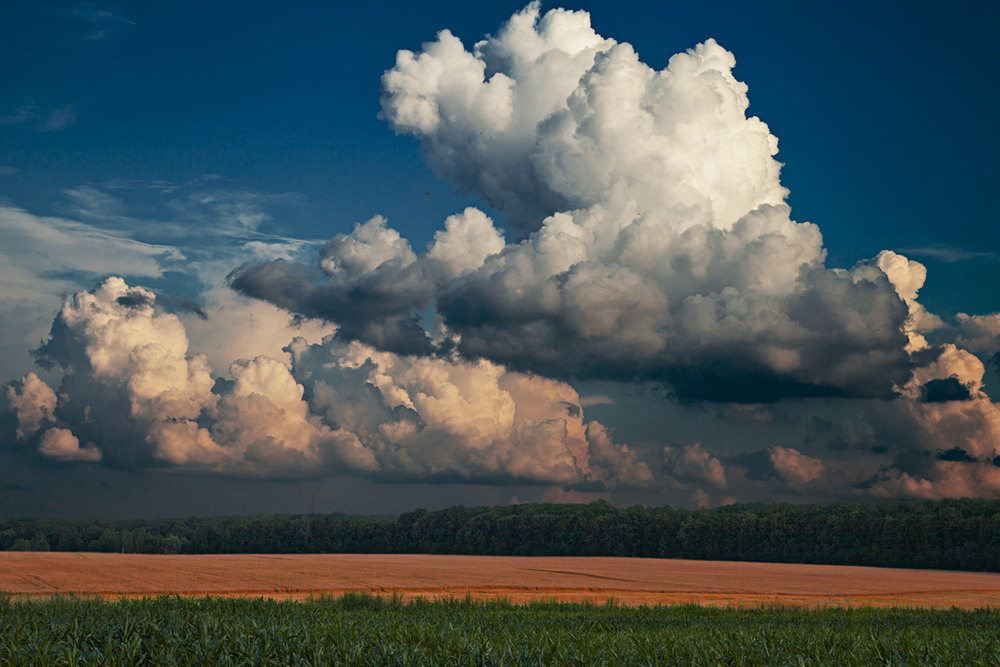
(257, 258)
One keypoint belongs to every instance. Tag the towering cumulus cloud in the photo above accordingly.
(655, 243)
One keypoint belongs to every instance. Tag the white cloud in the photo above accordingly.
(548, 115)
(35, 246)
(61, 444)
(190, 235)
(368, 247)
(33, 402)
(656, 245)
(948, 254)
(465, 242)
(43, 257)
(452, 419)
(794, 466)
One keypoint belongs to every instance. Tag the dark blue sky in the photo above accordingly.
(192, 135)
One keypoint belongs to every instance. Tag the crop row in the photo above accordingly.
(365, 630)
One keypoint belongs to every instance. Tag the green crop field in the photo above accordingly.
(365, 630)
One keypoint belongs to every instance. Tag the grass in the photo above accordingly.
(360, 629)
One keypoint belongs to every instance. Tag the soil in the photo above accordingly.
(518, 579)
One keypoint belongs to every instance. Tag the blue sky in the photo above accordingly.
(171, 143)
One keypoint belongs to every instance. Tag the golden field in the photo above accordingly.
(518, 579)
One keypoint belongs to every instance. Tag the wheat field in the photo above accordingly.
(518, 579)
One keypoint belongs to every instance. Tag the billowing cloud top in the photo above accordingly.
(549, 116)
(656, 241)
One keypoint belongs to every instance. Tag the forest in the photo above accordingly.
(945, 534)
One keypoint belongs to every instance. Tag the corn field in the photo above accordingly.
(368, 630)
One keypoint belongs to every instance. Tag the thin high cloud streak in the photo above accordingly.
(647, 239)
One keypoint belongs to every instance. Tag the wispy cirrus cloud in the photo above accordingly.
(40, 118)
(100, 20)
(181, 239)
(949, 254)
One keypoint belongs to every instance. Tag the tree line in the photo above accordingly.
(947, 534)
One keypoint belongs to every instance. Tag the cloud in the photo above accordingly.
(370, 282)
(20, 114)
(693, 463)
(101, 20)
(977, 333)
(596, 399)
(948, 254)
(263, 422)
(36, 245)
(42, 257)
(907, 277)
(948, 389)
(235, 327)
(33, 403)
(182, 238)
(61, 444)
(653, 238)
(548, 115)
(59, 119)
(938, 449)
(776, 463)
(650, 242)
(40, 119)
(117, 352)
(433, 418)
(794, 466)
(131, 386)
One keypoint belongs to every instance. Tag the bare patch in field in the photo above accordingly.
(626, 580)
